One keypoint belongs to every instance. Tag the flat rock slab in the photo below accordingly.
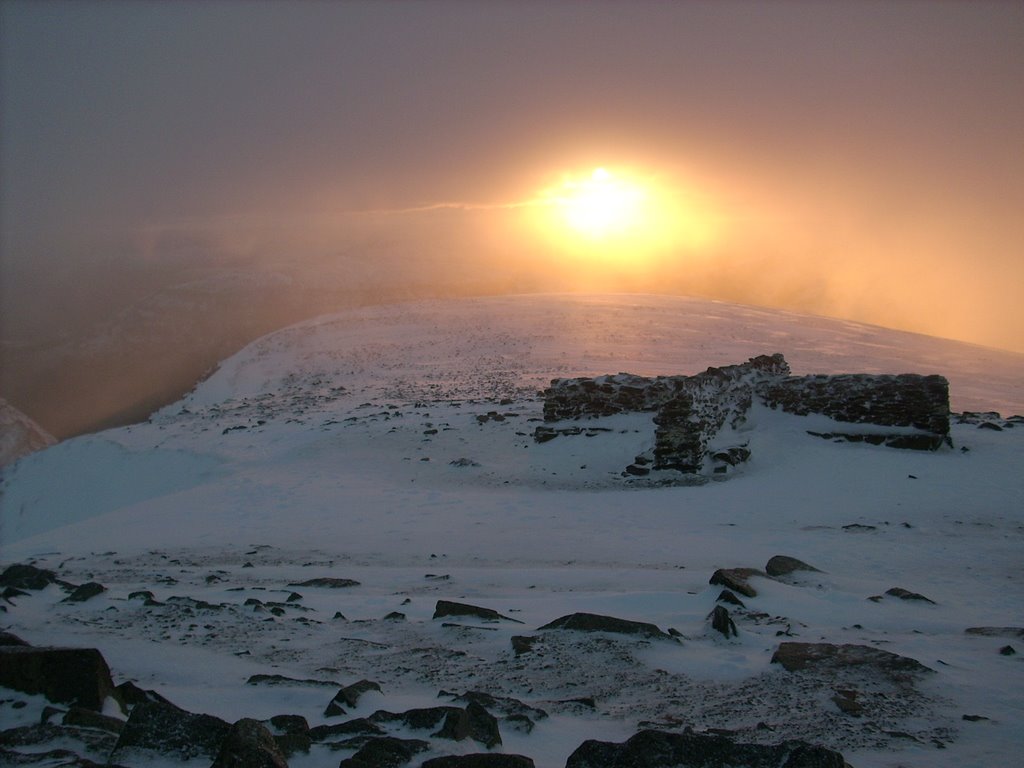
(657, 749)
(798, 656)
(592, 622)
(326, 582)
(996, 631)
(783, 565)
(736, 579)
(450, 608)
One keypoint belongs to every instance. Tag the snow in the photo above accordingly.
(326, 449)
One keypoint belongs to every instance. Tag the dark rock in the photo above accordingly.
(463, 462)
(504, 704)
(24, 576)
(167, 730)
(417, 719)
(736, 579)
(1017, 632)
(282, 680)
(449, 608)
(783, 565)
(722, 622)
(288, 724)
(395, 616)
(859, 528)
(131, 695)
(523, 644)
(637, 471)
(327, 582)
(474, 722)
(798, 656)
(349, 695)
(85, 592)
(361, 726)
(88, 718)
(592, 622)
(846, 700)
(334, 709)
(63, 675)
(974, 718)
(248, 744)
(54, 758)
(904, 594)
(725, 596)
(9, 593)
(658, 749)
(385, 752)
(1008, 650)
(8, 639)
(482, 760)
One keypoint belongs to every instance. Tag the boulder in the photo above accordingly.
(449, 608)
(349, 695)
(385, 752)
(157, 730)
(63, 675)
(592, 622)
(504, 704)
(474, 722)
(722, 622)
(248, 744)
(25, 576)
(736, 579)
(523, 644)
(657, 749)
(825, 656)
(783, 565)
(906, 594)
(483, 760)
(326, 582)
(85, 592)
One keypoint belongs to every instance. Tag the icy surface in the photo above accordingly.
(393, 446)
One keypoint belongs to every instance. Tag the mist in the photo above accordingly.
(177, 179)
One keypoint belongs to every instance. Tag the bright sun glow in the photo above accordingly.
(621, 217)
(602, 205)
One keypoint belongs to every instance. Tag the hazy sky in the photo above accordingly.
(858, 159)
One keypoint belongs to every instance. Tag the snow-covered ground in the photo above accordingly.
(333, 448)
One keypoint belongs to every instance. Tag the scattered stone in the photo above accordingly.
(131, 695)
(463, 462)
(326, 582)
(722, 622)
(88, 718)
(592, 622)
(1008, 650)
(523, 644)
(282, 680)
(385, 752)
(725, 596)
(975, 718)
(798, 656)
(904, 594)
(1017, 632)
(25, 576)
(249, 744)
(656, 749)
(736, 579)
(859, 528)
(350, 694)
(63, 675)
(85, 592)
(783, 565)
(504, 704)
(395, 616)
(157, 729)
(846, 700)
(474, 722)
(449, 608)
(482, 760)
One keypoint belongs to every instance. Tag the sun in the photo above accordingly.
(601, 205)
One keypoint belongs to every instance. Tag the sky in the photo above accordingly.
(862, 160)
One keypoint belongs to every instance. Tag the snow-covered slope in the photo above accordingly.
(19, 435)
(392, 445)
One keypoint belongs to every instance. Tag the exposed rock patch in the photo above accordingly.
(656, 749)
(592, 622)
(445, 608)
(798, 656)
(65, 675)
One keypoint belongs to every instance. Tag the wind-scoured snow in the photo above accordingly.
(393, 446)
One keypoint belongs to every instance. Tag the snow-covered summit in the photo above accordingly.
(392, 449)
